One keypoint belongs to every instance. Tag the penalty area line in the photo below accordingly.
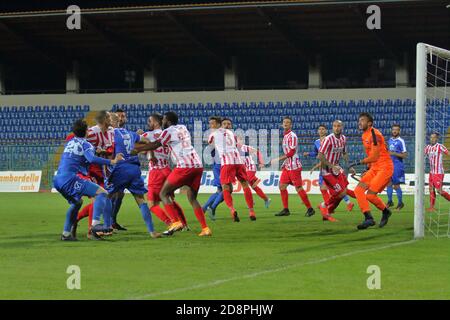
(268, 271)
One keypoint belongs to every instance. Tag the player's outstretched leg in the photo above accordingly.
(146, 215)
(262, 195)
(360, 193)
(248, 199)
(68, 233)
(116, 204)
(212, 209)
(198, 211)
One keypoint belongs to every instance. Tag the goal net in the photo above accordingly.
(432, 118)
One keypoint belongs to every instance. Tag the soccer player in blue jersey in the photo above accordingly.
(397, 150)
(76, 157)
(127, 175)
(322, 131)
(216, 198)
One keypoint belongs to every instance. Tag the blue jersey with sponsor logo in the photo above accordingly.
(77, 155)
(397, 145)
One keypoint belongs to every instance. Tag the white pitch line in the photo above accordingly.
(256, 274)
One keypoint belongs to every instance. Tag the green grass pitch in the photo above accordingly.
(273, 258)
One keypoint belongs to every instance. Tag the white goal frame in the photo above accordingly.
(421, 103)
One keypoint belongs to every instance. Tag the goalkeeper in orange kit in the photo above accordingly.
(380, 171)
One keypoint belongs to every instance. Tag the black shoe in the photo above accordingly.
(253, 218)
(400, 206)
(117, 226)
(366, 224)
(73, 230)
(389, 204)
(236, 217)
(282, 213)
(68, 238)
(310, 212)
(97, 231)
(385, 218)
(93, 236)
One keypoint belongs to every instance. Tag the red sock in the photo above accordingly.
(180, 212)
(432, 198)
(200, 217)
(351, 193)
(228, 200)
(260, 193)
(172, 212)
(159, 212)
(332, 203)
(84, 212)
(445, 195)
(325, 195)
(304, 197)
(285, 198)
(248, 197)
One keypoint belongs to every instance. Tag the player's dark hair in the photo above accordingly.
(226, 119)
(288, 118)
(322, 126)
(79, 128)
(367, 115)
(216, 119)
(396, 125)
(101, 116)
(158, 117)
(120, 110)
(172, 117)
(435, 133)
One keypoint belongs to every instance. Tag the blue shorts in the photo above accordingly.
(399, 174)
(216, 172)
(73, 188)
(126, 176)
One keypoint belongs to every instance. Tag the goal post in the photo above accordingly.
(432, 96)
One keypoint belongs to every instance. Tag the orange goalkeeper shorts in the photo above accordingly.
(377, 179)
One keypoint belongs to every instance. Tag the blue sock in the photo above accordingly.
(399, 194)
(218, 200)
(146, 215)
(99, 206)
(107, 213)
(71, 216)
(390, 190)
(116, 207)
(210, 201)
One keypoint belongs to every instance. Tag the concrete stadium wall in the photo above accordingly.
(101, 101)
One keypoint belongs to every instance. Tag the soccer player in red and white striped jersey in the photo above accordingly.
(435, 153)
(188, 171)
(225, 143)
(158, 171)
(291, 173)
(332, 149)
(247, 152)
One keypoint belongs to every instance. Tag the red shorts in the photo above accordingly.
(335, 184)
(436, 180)
(190, 177)
(252, 179)
(96, 174)
(230, 172)
(293, 177)
(155, 182)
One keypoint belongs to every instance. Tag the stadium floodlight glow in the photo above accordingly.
(432, 115)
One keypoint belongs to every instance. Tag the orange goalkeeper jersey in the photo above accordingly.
(377, 153)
